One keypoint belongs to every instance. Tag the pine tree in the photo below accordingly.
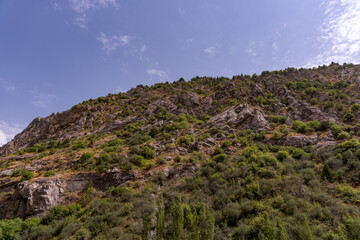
(326, 173)
(206, 223)
(281, 230)
(177, 225)
(304, 229)
(160, 218)
(146, 227)
(268, 229)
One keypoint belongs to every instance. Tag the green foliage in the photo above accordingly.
(233, 102)
(303, 127)
(147, 152)
(327, 173)
(160, 218)
(78, 145)
(355, 107)
(218, 151)
(278, 119)
(225, 144)
(137, 139)
(185, 140)
(349, 116)
(343, 135)
(177, 224)
(50, 173)
(9, 229)
(220, 157)
(86, 157)
(261, 100)
(24, 173)
(137, 160)
(314, 101)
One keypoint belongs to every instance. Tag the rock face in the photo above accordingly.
(242, 117)
(34, 198)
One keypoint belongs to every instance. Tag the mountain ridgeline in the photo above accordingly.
(269, 156)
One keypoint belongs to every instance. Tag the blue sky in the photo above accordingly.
(57, 53)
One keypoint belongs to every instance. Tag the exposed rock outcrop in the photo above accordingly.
(242, 117)
(34, 198)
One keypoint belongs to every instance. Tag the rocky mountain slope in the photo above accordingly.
(270, 156)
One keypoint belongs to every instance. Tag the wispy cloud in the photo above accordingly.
(7, 132)
(182, 11)
(81, 7)
(162, 75)
(254, 47)
(9, 87)
(339, 39)
(210, 50)
(42, 100)
(111, 43)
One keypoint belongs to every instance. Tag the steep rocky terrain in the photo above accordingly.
(270, 156)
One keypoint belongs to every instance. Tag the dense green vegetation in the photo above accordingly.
(262, 192)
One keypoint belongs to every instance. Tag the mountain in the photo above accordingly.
(269, 156)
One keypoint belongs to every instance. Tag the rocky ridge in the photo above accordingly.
(281, 122)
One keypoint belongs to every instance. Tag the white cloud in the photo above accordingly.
(158, 73)
(111, 43)
(210, 50)
(182, 12)
(57, 6)
(80, 21)
(254, 47)
(9, 87)
(42, 100)
(275, 46)
(81, 7)
(143, 48)
(339, 39)
(7, 132)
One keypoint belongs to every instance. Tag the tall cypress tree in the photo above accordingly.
(160, 218)
(177, 225)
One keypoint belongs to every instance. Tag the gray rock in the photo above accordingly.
(300, 140)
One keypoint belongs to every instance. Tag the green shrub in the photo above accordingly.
(185, 140)
(233, 102)
(343, 135)
(9, 228)
(220, 158)
(225, 144)
(349, 116)
(147, 152)
(355, 107)
(329, 104)
(261, 100)
(278, 119)
(55, 213)
(299, 126)
(112, 143)
(282, 155)
(137, 160)
(277, 135)
(50, 173)
(177, 159)
(79, 145)
(24, 173)
(311, 91)
(137, 139)
(86, 157)
(313, 101)
(218, 151)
